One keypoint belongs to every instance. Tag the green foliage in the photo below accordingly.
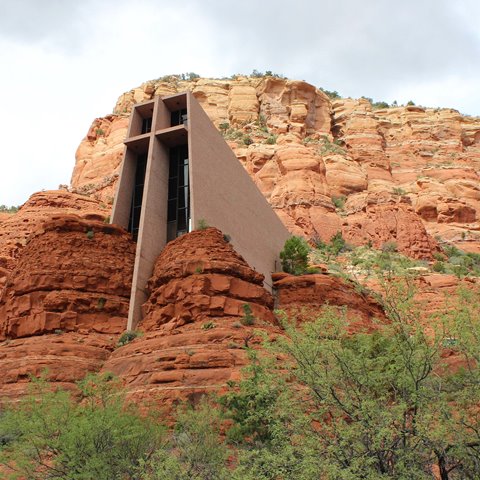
(101, 303)
(224, 127)
(12, 209)
(50, 435)
(268, 73)
(331, 147)
(379, 105)
(331, 94)
(202, 224)
(248, 319)
(458, 262)
(294, 255)
(175, 77)
(399, 191)
(410, 103)
(127, 337)
(271, 140)
(194, 450)
(90, 234)
(247, 139)
(328, 251)
(208, 325)
(99, 132)
(339, 202)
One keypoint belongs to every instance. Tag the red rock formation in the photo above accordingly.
(303, 150)
(302, 297)
(382, 218)
(66, 302)
(73, 275)
(16, 229)
(195, 327)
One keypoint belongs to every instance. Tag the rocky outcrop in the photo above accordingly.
(73, 275)
(195, 327)
(381, 218)
(16, 229)
(65, 303)
(303, 297)
(305, 151)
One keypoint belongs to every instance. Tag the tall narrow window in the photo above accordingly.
(178, 214)
(137, 197)
(178, 117)
(146, 125)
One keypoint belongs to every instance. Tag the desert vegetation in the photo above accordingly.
(319, 402)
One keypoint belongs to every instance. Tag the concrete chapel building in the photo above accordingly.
(178, 172)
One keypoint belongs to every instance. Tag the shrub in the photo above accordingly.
(399, 191)
(90, 234)
(439, 267)
(208, 326)
(294, 256)
(271, 140)
(127, 337)
(339, 202)
(248, 318)
(202, 224)
(389, 247)
(12, 209)
(378, 105)
(224, 127)
(247, 139)
(331, 94)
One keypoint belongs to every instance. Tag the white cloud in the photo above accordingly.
(65, 62)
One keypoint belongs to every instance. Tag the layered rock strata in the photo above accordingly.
(16, 229)
(310, 156)
(65, 302)
(195, 328)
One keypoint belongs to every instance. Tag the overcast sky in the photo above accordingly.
(65, 62)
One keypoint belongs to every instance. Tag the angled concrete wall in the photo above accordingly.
(221, 192)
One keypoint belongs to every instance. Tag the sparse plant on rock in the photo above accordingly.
(248, 319)
(294, 255)
(202, 224)
(208, 326)
(127, 337)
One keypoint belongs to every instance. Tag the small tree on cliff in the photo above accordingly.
(294, 256)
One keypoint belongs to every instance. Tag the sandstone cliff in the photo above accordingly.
(326, 165)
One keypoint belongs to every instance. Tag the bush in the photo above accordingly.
(294, 256)
(339, 202)
(208, 326)
(247, 139)
(389, 247)
(50, 435)
(202, 224)
(248, 319)
(127, 337)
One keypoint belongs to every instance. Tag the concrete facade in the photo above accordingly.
(221, 193)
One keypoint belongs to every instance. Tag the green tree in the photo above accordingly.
(194, 450)
(294, 255)
(51, 435)
(267, 426)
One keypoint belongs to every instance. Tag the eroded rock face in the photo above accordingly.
(307, 150)
(73, 275)
(303, 297)
(195, 329)
(65, 303)
(381, 218)
(16, 229)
